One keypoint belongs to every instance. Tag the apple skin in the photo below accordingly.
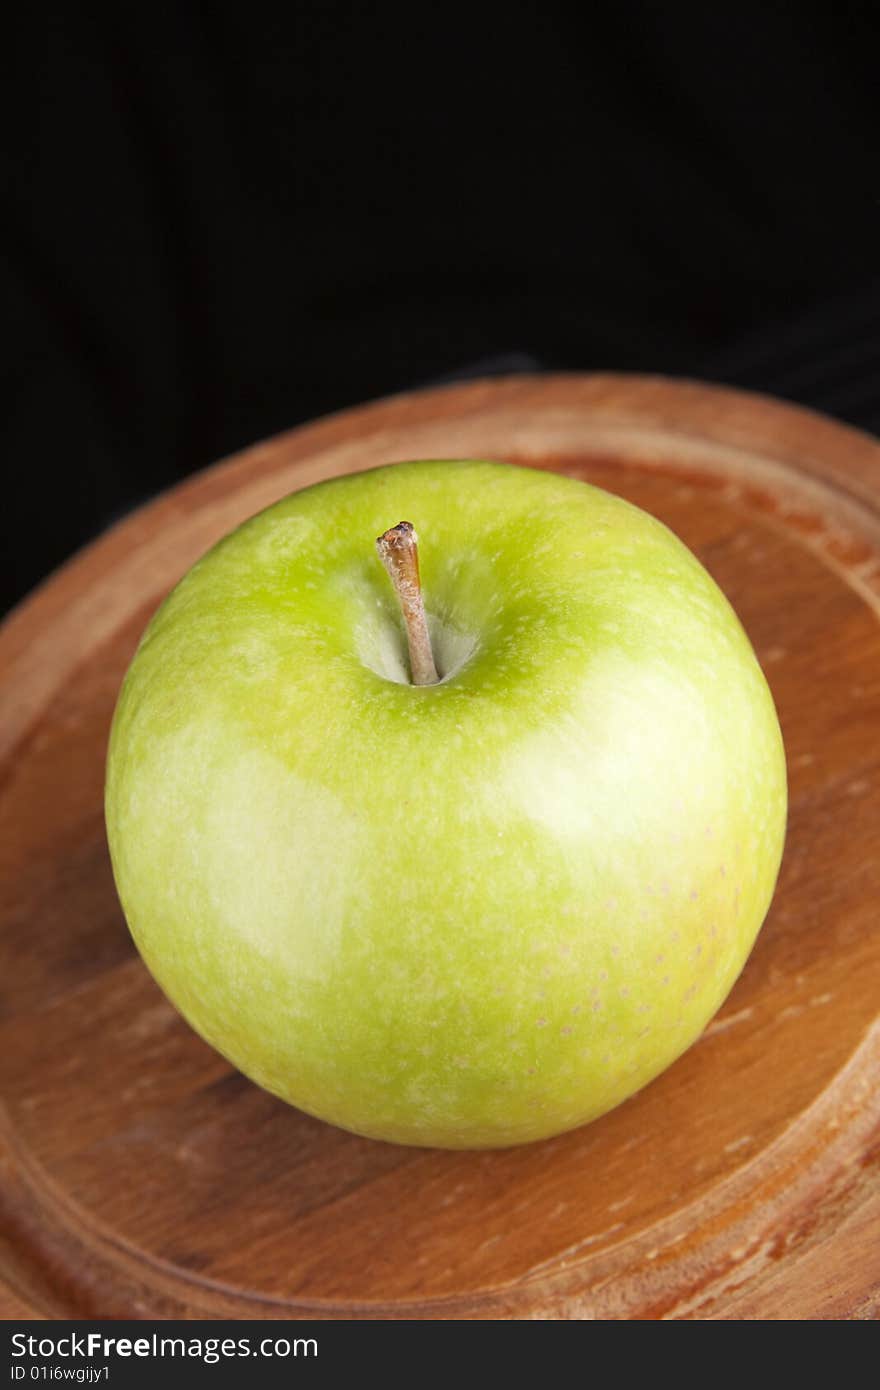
(471, 914)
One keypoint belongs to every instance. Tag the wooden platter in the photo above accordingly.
(142, 1177)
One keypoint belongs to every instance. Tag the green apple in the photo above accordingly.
(476, 911)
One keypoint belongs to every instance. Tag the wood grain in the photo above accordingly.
(143, 1177)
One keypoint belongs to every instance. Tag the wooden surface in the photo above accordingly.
(141, 1176)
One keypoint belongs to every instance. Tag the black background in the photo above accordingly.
(220, 221)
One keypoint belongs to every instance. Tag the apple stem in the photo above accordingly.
(399, 552)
